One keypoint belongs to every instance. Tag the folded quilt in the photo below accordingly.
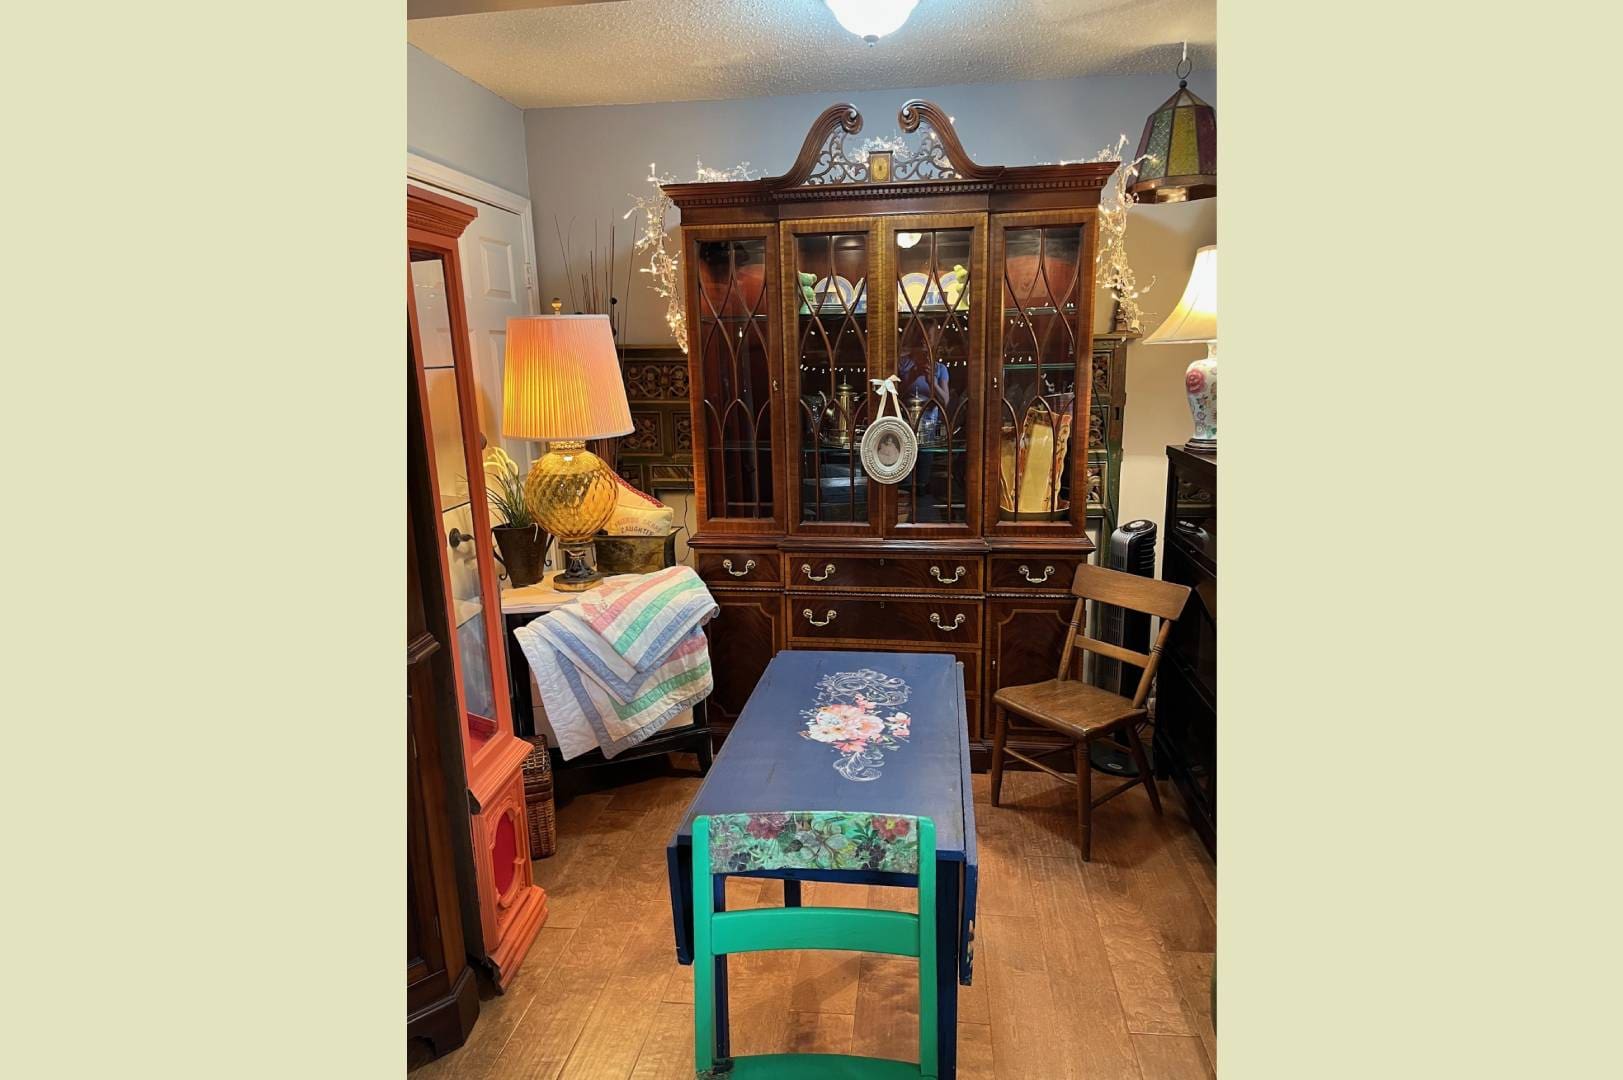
(614, 666)
(586, 716)
(638, 624)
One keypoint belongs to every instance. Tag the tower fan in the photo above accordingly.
(1132, 550)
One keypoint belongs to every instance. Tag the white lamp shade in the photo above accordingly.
(562, 379)
(1195, 317)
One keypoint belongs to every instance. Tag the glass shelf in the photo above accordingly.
(1014, 313)
(856, 451)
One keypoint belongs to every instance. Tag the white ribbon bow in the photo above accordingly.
(886, 386)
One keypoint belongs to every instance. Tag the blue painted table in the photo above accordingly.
(774, 760)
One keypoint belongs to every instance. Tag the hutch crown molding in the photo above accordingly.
(973, 285)
(509, 907)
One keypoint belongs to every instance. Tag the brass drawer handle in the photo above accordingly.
(727, 565)
(828, 571)
(935, 572)
(1025, 572)
(958, 620)
(828, 617)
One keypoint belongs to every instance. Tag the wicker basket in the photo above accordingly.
(538, 799)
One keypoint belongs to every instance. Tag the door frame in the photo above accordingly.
(458, 182)
(455, 182)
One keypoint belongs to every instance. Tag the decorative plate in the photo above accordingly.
(836, 296)
(915, 292)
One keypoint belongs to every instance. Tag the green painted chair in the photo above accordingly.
(811, 840)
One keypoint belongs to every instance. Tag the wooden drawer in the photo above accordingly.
(1032, 573)
(727, 567)
(883, 573)
(946, 620)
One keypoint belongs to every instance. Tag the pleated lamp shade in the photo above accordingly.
(1195, 317)
(562, 379)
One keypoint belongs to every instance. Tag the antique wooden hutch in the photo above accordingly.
(974, 285)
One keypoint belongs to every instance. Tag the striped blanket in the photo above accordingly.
(616, 665)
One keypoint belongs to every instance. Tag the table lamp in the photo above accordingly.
(562, 384)
(1195, 320)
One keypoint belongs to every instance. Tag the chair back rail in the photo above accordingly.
(1148, 595)
(1135, 593)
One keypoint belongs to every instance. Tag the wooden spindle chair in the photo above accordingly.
(1086, 712)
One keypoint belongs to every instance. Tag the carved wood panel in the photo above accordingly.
(744, 636)
(1024, 642)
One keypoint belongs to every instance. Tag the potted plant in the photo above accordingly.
(520, 538)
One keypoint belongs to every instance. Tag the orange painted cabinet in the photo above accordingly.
(511, 907)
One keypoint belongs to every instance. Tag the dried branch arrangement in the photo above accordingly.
(597, 295)
(1115, 273)
(664, 266)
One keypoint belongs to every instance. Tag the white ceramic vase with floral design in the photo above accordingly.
(1200, 381)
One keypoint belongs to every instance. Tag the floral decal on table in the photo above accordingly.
(856, 714)
(814, 840)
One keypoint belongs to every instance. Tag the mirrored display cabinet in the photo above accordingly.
(488, 796)
(969, 286)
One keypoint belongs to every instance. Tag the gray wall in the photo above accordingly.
(584, 163)
(455, 121)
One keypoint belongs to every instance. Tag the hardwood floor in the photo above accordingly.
(1093, 971)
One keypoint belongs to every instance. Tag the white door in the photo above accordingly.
(497, 282)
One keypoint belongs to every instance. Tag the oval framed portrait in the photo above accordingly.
(889, 449)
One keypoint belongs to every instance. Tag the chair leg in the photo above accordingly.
(1136, 748)
(1000, 732)
(1084, 797)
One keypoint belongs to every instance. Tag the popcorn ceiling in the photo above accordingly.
(682, 50)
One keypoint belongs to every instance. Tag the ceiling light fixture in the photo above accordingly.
(871, 20)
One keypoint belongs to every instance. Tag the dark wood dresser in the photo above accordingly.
(1186, 691)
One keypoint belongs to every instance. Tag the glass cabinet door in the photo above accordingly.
(734, 330)
(464, 521)
(832, 316)
(1040, 385)
(936, 266)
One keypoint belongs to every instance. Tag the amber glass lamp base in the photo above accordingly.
(571, 492)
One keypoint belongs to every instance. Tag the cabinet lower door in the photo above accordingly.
(511, 906)
(1024, 639)
(744, 637)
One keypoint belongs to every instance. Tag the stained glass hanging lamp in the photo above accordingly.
(1181, 137)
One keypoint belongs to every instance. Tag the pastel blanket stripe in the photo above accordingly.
(639, 624)
(585, 716)
(594, 693)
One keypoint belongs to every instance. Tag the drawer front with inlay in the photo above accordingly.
(1032, 573)
(745, 566)
(883, 573)
(948, 621)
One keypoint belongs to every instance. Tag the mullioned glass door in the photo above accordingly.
(832, 350)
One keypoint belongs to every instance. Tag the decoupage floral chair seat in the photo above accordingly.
(811, 840)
